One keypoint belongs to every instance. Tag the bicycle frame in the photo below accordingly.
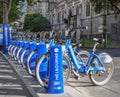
(81, 67)
(90, 60)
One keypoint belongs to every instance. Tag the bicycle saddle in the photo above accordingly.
(99, 40)
(76, 45)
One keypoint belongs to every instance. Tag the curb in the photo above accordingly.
(29, 89)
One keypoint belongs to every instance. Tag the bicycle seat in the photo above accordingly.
(76, 45)
(99, 40)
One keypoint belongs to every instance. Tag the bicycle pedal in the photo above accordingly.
(46, 80)
(78, 77)
(93, 65)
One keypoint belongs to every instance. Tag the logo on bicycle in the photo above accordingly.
(56, 50)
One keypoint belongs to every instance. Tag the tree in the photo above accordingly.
(1, 19)
(36, 22)
(14, 13)
(10, 11)
(107, 5)
(5, 13)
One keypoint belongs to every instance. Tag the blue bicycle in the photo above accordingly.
(37, 53)
(99, 67)
(42, 77)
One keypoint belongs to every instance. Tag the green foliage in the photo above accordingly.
(30, 2)
(1, 13)
(15, 13)
(108, 5)
(36, 22)
(88, 42)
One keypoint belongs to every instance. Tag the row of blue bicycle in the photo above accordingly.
(35, 57)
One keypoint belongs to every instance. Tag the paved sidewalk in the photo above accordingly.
(32, 85)
(10, 84)
(82, 88)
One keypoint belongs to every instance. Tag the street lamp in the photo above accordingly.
(104, 24)
(91, 32)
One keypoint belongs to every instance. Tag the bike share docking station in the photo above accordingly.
(56, 84)
(6, 37)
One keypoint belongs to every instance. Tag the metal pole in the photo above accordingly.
(104, 24)
(91, 21)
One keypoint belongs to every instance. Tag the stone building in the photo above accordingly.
(39, 7)
(42, 6)
(80, 16)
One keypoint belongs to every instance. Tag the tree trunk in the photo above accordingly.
(10, 3)
(5, 12)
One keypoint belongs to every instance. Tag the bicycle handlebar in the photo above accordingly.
(98, 40)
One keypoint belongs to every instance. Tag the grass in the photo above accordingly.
(89, 43)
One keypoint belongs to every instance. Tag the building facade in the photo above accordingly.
(40, 6)
(80, 16)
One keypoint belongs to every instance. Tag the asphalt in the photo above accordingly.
(114, 52)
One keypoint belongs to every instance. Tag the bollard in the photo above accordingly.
(56, 84)
(5, 38)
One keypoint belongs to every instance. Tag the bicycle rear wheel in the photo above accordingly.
(100, 77)
(43, 76)
(31, 67)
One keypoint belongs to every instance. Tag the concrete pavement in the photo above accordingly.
(76, 88)
(10, 83)
(34, 88)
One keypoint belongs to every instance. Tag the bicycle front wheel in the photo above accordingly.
(101, 77)
(42, 75)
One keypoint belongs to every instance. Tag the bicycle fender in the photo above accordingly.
(105, 57)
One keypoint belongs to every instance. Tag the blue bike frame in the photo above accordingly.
(81, 67)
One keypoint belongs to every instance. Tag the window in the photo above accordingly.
(87, 9)
(53, 16)
(73, 21)
(62, 16)
(58, 18)
(77, 10)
